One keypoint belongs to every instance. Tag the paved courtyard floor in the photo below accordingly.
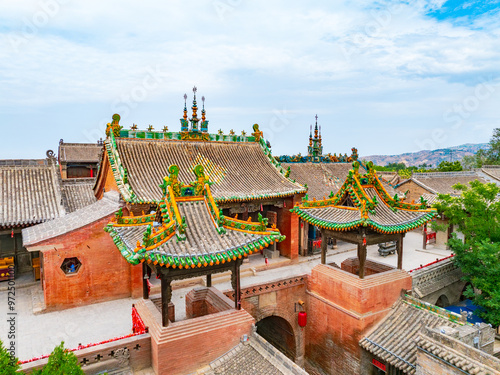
(39, 334)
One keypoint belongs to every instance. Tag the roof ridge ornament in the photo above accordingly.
(194, 132)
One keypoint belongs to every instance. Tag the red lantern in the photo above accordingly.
(302, 318)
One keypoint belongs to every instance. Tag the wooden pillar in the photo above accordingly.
(324, 246)
(399, 247)
(209, 280)
(166, 297)
(146, 274)
(334, 243)
(235, 283)
(424, 244)
(362, 259)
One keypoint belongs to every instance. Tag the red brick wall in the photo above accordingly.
(341, 307)
(104, 274)
(288, 224)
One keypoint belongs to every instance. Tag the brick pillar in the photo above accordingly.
(136, 280)
(288, 224)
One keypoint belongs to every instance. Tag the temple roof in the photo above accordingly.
(77, 193)
(98, 210)
(241, 167)
(29, 192)
(79, 152)
(364, 202)
(394, 339)
(193, 232)
(442, 182)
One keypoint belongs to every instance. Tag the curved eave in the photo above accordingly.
(402, 227)
(193, 261)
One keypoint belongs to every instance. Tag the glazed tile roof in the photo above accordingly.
(29, 192)
(240, 167)
(106, 206)
(393, 340)
(256, 357)
(193, 232)
(363, 201)
(79, 152)
(77, 193)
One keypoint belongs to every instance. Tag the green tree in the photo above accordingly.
(493, 152)
(395, 166)
(476, 212)
(448, 166)
(61, 362)
(8, 365)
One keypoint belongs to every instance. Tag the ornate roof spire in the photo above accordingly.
(316, 127)
(194, 120)
(311, 136)
(203, 118)
(185, 107)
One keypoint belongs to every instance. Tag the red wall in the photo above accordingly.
(341, 308)
(288, 224)
(104, 274)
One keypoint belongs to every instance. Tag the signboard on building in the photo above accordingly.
(378, 364)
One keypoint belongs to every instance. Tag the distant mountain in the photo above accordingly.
(433, 157)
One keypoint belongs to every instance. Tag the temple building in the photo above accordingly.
(170, 206)
(78, 160)
(188, 237)
(323, 175)
(247, 180)
(30, 194)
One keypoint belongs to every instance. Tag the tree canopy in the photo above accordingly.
(61, 362)
(476, 212)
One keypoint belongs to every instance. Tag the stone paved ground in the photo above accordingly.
(39, 334)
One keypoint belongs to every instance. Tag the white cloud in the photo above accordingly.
(383, 65)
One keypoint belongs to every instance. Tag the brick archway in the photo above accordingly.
(291, 320)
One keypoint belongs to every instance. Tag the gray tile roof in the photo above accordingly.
(321, 178)
(240, 170)
(109, 204)
(256, 357)
(30, 192)
(394, 338)
(442, 182)
(77, 193)
(79, 152)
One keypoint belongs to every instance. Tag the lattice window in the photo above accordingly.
(71, 265)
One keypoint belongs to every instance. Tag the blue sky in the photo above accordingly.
(384, 76)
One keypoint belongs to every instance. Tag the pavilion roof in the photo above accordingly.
(363, 201)
(241, 167)
(189, 230)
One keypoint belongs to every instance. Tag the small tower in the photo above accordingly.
(184, 123)
(315, 149)
(194, 119)
(204, 121)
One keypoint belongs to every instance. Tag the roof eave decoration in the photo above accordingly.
(354, 188)
(114, 131)
(173, 224)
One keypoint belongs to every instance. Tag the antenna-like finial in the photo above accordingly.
(185, 107)
(194, 90)
(316, 118)
(203, 117)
